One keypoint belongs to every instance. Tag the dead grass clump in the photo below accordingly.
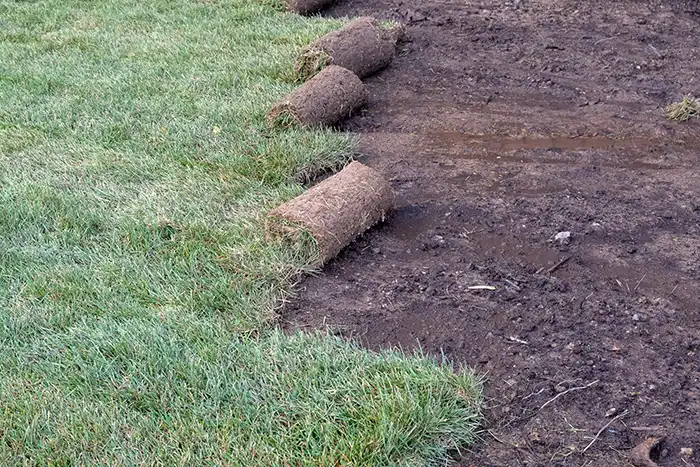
(684, 110)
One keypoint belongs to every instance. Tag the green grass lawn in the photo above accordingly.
(137, 289)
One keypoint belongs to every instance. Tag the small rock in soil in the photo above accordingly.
(436, 241)
(639, 317)
(563, 238)
(687, 452)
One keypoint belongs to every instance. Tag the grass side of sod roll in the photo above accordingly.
(137, 288)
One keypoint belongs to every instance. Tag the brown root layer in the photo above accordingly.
(305, 7)
(363, 46)
(333, 94)
(336, 210)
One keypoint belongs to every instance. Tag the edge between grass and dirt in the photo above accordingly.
(137, 288)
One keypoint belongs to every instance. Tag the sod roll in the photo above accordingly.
(305, 7)
(328, 97)
(363, 46)
(336, 210)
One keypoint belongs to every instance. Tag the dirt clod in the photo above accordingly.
(641, 454)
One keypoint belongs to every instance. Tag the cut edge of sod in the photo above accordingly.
(309, 63)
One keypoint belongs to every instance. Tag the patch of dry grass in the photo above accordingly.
(684, 110)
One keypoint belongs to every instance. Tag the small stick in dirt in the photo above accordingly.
(481, 287)
(674, 289)
(533, 394)
(563, 453)
(559, 264)
(655, 51)
(578, 388)
(604, 40)
(573, 428)
(626, 284)
(603, 429)
(580, 305)
(518, 340)
(640, 282)
(495, 437)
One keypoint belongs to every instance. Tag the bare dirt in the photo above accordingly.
(500, 126)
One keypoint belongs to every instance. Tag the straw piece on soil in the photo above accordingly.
(305, 7)
(362, 46)
(333, 94)
(336, 210)
(684, 110)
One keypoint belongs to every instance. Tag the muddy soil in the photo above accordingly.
(499, 126)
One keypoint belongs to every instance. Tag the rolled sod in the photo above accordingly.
(328, 97)
(363, 46)
(336, 210)
(305, 7)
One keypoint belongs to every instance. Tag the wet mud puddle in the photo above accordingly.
(636, 153)
(491, 142)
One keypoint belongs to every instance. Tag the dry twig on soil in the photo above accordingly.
(559, 264)
(603, 429)
(578, 388)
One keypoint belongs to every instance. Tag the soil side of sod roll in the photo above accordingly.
(305, 7)
(362, 46)
(336, 210)
(333, 94)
